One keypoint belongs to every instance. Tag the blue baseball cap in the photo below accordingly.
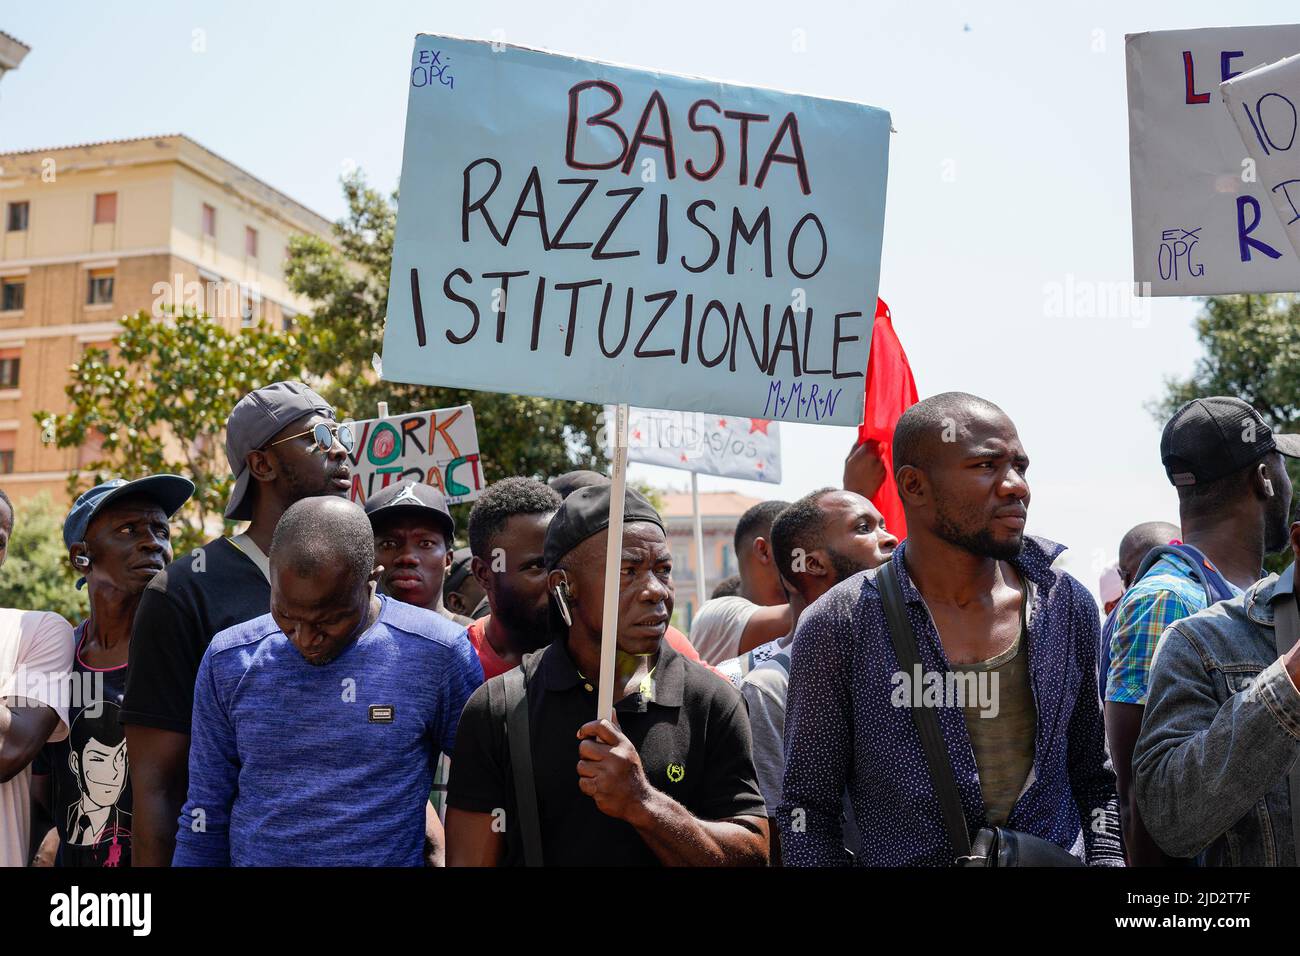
(169, 491)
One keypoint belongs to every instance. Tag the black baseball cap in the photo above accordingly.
(569, 482)
(585, 513)
(416, 497)
(1210, 438)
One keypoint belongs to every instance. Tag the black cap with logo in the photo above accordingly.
(1210, 438)
(414, 497)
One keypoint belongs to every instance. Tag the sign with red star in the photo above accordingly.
(728, 446)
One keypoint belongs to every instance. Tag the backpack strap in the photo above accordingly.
(1211, 581)
(925, 718)
(510, 707)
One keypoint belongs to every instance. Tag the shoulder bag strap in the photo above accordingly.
(1286, 631)
(927, 720)
(521, 764)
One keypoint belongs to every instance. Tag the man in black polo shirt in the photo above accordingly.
(283, 445)
(671, 782)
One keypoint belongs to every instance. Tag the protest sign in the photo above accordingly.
(438, 447)
(1263, 105)
(728, 445)
(1201, 220)
(578, 230)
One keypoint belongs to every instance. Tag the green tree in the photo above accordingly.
(36, 574)
(1252, 351)
(519, 434)
(160, 405)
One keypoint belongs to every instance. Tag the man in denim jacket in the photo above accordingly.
(1222, 732)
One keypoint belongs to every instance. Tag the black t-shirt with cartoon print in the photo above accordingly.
(90, 775)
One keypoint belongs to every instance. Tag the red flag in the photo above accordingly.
(891, 390)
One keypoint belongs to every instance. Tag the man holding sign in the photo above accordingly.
(670, 780)
(578, 230)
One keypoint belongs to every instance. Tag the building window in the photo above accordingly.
(101, 287)
(105, 208)
(12, 295)
(209, 221)
(16, 221)
(8, 440)
(250, 242)
(9, 361)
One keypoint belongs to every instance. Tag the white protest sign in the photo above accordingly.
(1263, 105)
(577, 230)
(438, 447)
(728, 445)
(1201, 220)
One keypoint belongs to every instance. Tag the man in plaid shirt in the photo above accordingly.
(1234, 499)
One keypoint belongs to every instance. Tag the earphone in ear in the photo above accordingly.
(81, 561)
(562, 599)
(1268, 487)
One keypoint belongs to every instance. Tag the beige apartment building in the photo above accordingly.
(93, 232)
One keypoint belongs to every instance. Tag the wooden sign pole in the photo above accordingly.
(613, 563)
(700, 594)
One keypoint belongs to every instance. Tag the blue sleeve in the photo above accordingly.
(203, 830)
(464, 674)
(818, 739)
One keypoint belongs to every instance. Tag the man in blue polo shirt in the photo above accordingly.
(317, 727)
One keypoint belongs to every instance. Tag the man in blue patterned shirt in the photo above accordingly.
(1008, 657)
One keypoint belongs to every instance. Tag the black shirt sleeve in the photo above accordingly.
(731, 785)
(477, 780)
(166, 648)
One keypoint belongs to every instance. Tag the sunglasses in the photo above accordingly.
(324, 434)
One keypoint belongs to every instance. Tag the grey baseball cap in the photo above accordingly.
(254, 422)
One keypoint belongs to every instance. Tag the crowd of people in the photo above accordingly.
(340, 685)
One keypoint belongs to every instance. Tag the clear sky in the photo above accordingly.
(1008, 174)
